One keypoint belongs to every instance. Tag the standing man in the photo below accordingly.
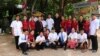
(94, 26)
(50, 22)
(57, 21)
(16, 26)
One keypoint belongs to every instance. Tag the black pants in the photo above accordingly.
(16, 42)
(40, 46)
(53, 46)
(94, 42)
(63, 43)
(24, 47)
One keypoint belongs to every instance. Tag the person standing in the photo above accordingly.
(32, 23)
(94, 26)
(50, 22)
(16, 26)
(57, 21)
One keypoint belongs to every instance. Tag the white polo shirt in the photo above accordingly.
(82, 37)
(73, 35)
(40, 38)
(17, 26)
(53, 37)
(22, 39)
(44, 23)
(50, 23)
(94, 25)
(64, 34)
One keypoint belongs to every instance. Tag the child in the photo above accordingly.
(31, 39)
(23, 42)
(63, 38)
(40, 41)
(72, 39)
(32, 23)
(82, 40)
(53, 39)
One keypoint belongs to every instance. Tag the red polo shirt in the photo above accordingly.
(25, 25)
(32, 25)
(86, 25)
(63, 24)
(68, 24)
(75, 25)
(31, 37)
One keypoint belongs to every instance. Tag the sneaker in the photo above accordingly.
(25, 53)
(94, 51)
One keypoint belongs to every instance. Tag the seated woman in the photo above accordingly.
(53, 39)
(72, 39)
(23, 42)
(40, 41)
(63, 38)
(31, 39)
(82, 40)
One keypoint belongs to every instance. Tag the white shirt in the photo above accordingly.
(94, 25)
(50, 23)
(82, 37)
(22, 39)
(53, 37)
(44, 23)
(73, 35)
(64, 34)
(17, 27)
(39, 39)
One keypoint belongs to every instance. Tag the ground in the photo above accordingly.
(7, 48)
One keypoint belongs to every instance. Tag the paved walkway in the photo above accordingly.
(7, 48)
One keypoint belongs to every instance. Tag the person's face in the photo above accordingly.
(62, 30)
(17, 18)
(47, 31)
(73, 30)
(53, 31)
(69, 17)
(74, 19)
(62, 18)
(25, 18)
(82, 31)
(32, 18)
(81, 18)
(39, 18)
(41, 33)
(49, 16)
(32, 32)
(93, 17)
(57, 15)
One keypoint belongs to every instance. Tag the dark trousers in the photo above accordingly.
(94, 42)
(16, 42)
(63, 43)
(53, 46)
(24, 47)
(38, 46)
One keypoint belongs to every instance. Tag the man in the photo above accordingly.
(50, 22)
(23, 42)
(16, 26)
(53, 39)
(39, 26)
(57, 21)
(40, 41)
(32, 23)
(94, 26)
(43, 22)
(63, 38)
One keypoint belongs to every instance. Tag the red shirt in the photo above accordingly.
(31, 38)
(32, 25)
(86, 25)
(25, 25)
(75, 25)
(68, 23)
(63, 23)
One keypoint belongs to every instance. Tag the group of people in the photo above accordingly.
(40, 33)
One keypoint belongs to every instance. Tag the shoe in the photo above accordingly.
(25, 53)
(94, 51)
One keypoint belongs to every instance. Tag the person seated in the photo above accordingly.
(72, 39)
(40, 41)
(53, 39)
(31, 39)
(82, 43)
(46, 33)
(62, 38)
(23, 42)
